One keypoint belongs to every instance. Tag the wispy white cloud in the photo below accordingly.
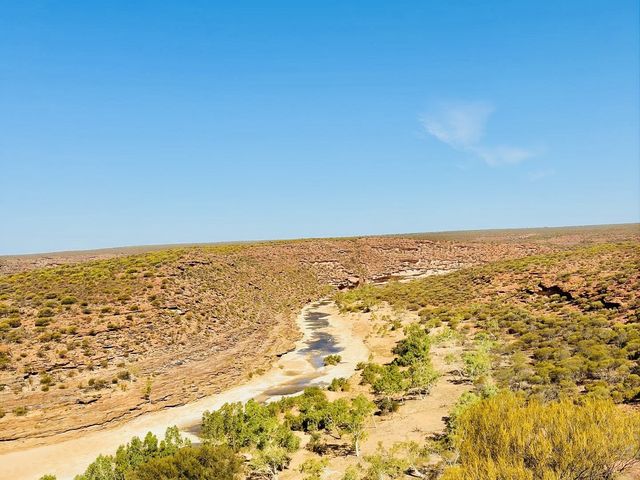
(462, 126)
(540, 174)
(502, 154)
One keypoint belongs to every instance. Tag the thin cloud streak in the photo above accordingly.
(462, 127)
(539, 175)
(459, 126)
(502, 155)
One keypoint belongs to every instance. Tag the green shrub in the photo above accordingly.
(46, 379)
(415, 347)
(14, 322)
(387, 405)
(476, 363)
(5, 359)
(339, 385)
(250, 425)
(313, 468)
(20, 411)
(332, 359)
(68, 300)
(508, 436)
(203, 462)
(45, 313)
(134, 455)
(390, 381)
(385, 464)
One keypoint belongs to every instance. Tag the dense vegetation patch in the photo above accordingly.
(169, 459)
(559, 324)
(509, 437)
(266, 431)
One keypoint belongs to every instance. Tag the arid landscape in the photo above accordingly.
(93, 340)
(326, 240)
(92, 335)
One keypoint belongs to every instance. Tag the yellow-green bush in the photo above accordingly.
(509, 437)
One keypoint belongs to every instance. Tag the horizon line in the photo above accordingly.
(160, 246)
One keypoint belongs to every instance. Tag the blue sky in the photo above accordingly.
(125, 123)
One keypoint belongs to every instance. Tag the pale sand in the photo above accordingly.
(67, 458)
(416, 419)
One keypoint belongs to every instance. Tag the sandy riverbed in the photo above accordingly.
(325, 331)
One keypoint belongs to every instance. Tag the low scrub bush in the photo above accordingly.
(510, 436)
(20, 411)
(332, 360)
(339, 385)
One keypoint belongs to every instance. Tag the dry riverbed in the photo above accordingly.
(417, 418)
(325, 331)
